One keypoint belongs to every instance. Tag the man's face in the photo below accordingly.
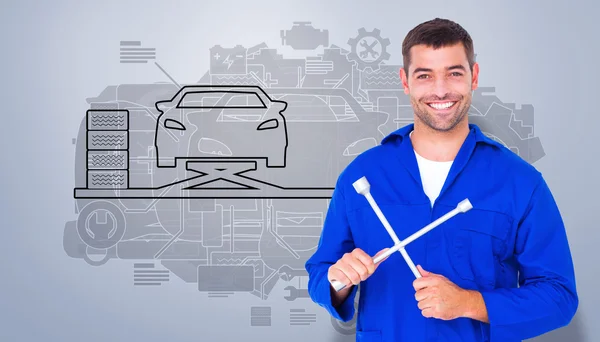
(439, 84)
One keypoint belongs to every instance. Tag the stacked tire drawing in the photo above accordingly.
(107, 149)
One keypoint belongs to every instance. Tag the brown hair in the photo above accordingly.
(437, 33)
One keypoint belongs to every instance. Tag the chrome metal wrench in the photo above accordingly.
(362, 187)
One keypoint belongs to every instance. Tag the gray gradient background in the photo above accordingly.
(55, 55)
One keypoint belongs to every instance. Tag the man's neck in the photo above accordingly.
(438, 146)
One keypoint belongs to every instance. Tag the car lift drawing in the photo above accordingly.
(201, 185)
(107, 167)
(363, 187)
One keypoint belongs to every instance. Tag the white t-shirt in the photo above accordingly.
(433, 175)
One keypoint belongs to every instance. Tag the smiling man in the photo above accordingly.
(502, 271)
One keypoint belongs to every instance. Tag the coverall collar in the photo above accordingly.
(400, 139)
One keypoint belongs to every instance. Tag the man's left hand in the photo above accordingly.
(438, 297)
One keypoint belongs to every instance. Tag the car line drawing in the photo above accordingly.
(221, 122)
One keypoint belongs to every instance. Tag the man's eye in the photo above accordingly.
(456, 74)
(422, 76)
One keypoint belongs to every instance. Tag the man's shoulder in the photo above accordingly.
(501, 157)
(502, 168)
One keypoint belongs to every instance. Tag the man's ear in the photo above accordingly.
(475, 79)
(404, 79)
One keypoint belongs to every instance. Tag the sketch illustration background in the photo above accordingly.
(189, 190)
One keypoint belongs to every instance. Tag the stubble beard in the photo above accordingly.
(426, 114)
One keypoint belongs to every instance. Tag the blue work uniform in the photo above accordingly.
(511, 246)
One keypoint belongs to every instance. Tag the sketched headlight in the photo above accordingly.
(269, 124)
(174, 124)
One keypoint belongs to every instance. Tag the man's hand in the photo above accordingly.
(353, 267)
(440, 298)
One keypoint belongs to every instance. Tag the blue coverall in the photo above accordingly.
(512, 246)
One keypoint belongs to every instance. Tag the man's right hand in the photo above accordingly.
(353, 267)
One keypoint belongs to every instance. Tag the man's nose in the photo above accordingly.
(440, 87)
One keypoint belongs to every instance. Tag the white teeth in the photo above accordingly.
(441, 105)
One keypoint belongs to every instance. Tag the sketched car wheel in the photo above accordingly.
(101, 224)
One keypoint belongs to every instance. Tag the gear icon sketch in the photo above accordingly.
(368, 49)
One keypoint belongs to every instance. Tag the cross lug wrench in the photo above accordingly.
(363, 187)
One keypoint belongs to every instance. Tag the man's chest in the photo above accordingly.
(469, 248)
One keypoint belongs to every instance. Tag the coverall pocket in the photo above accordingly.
(368, 336)
(478, 245)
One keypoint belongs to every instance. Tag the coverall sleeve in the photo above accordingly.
(546, 298)
(336, 239)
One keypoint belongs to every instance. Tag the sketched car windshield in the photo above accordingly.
(212, 99)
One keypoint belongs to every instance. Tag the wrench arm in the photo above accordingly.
(382, 218)
(392, 234)
(410, 263)
(462, 207)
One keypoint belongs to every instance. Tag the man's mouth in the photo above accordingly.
(441, 105)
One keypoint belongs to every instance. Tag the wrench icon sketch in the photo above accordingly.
(295, 293)
(369, 49)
